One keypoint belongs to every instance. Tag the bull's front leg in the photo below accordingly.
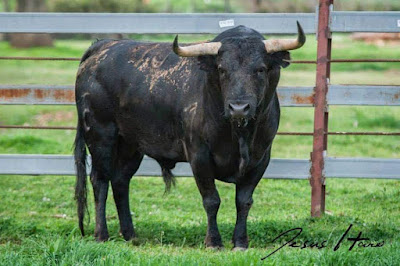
(204, 175)
(244, 200)
(211, 202)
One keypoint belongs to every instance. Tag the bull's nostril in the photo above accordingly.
(239, 110)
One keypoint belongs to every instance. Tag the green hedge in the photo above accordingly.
(209, 6)
(100, 6)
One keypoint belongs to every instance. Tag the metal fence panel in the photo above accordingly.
(37, 94)
(36, 164)
(204, 23)
(363, 95)
(50, 94)
(362, 168)
(39, 164)
(296, 96)
(281, 23)
(367, 21)
(288, 96)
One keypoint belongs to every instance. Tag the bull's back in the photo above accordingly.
(150, 65)
(141, 87)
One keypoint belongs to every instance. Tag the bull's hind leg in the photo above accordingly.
(101, 144)
(100, 191)
(129, 160)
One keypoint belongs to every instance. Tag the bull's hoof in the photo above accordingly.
(127, 234)
(136, 241)
(213, 242)
(101, 236)
(239, 249)
(215, 248)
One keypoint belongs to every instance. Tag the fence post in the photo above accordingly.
(320, 139)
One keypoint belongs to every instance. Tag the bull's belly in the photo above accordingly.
(162, 150)
(154, 138)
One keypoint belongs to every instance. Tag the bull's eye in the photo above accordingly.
(260, 70)
(222, 71)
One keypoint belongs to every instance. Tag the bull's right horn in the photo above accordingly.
(207, 48)
(273, 46)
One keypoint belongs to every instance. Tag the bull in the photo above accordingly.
(211, 104)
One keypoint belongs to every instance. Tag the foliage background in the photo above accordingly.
(209, 5)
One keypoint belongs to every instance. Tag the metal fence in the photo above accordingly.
(322, 23)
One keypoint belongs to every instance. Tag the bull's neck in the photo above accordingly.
(213, 99)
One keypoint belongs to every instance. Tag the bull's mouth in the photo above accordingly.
(240, 122)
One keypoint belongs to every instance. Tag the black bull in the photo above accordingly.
(214, 106)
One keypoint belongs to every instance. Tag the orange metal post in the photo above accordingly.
(321, 110)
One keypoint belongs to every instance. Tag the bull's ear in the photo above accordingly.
(207, 63)
(281, 58)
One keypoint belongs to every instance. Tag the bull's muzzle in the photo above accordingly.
(239, 113)
(239, 110)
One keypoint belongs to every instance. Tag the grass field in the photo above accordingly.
(38, 224)
(37, 216)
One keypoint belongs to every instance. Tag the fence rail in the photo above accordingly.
(365, 21)
(154, 23)
(33, 164)
(337, 133)
(142, 23)
(378, 95)
(375, 60)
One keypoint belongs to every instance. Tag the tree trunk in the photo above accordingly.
(256, 6)
(227, 6)
(192, 6)
(6, 6)
(26, 40)
(139, 6)
(168, 6)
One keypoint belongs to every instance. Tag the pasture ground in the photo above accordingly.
(37, 214)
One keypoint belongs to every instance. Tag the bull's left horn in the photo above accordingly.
(207, 48)
(273, 46)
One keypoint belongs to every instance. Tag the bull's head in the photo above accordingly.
(248, 69)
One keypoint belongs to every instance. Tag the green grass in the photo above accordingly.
(37, 214)
(38, 224)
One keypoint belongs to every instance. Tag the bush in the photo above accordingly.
(344, 5)
(113, 6)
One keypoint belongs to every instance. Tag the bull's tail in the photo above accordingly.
(169, 178)
(81, 177)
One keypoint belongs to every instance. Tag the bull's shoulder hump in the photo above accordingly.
(94, 48)
(239, 31)
(125, 46)
(95, 54)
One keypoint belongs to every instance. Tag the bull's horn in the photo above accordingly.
(207, 48)
(286, 44)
